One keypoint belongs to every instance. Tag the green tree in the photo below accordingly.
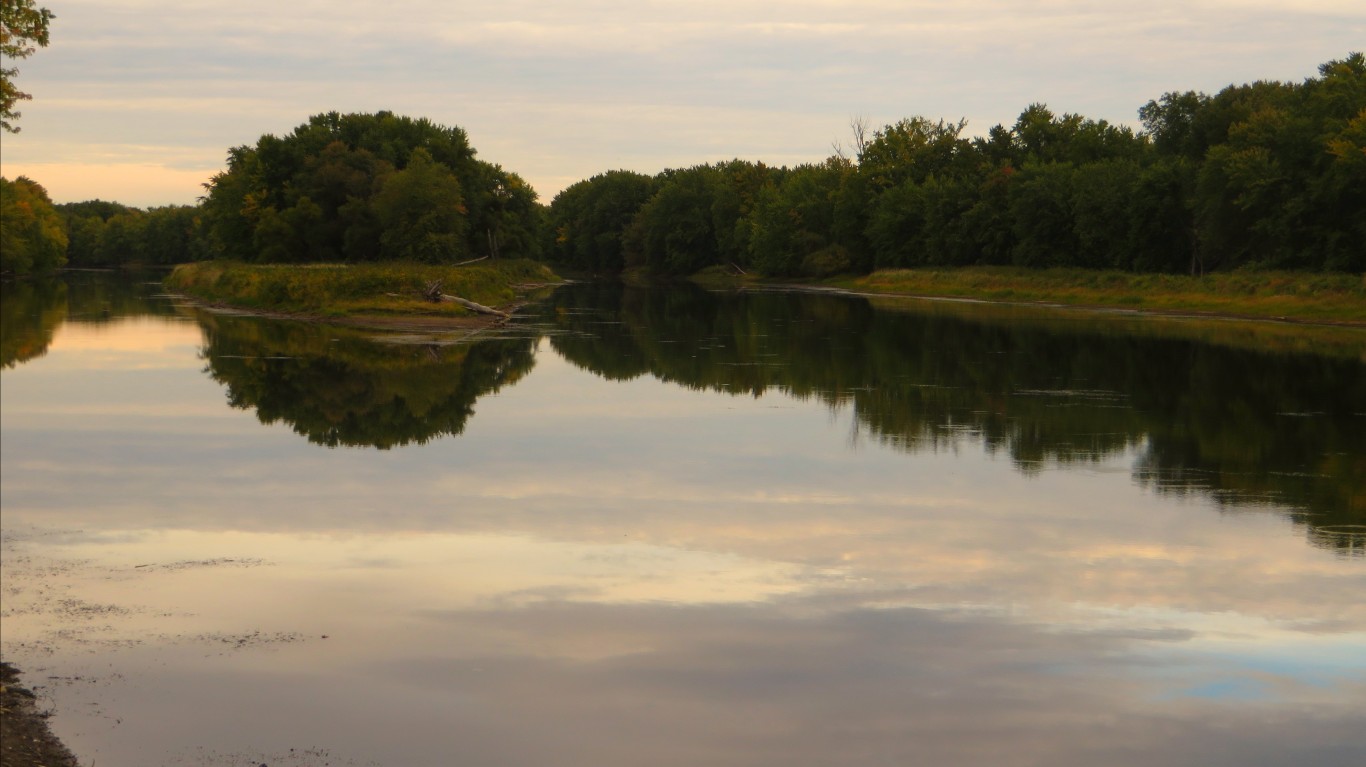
(85, 235)
(340, 163)
(1102, 203)
(987, 224)
(22, 26)
(1179, 124)
(589, 219)
(505, 212)
(32, 237)
(735, 190)
(341, 182)
(676, 229)
(123, 238)
(896, 227)
(1162, 219)
(170, 235)
(915, 149)
(85, 224)
(421, 209)
(1338, 188)
(1041, 215)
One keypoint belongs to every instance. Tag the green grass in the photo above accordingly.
(1307, 297)
(347, 290)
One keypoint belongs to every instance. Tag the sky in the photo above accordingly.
(138, 101)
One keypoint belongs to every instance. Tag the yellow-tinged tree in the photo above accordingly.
(21, 27)
(32, 238)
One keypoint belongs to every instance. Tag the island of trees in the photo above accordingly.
(1264, 175)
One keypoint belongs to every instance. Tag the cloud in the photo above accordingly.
(559, 91)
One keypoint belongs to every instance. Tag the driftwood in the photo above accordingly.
(433, 293)
(475, 307)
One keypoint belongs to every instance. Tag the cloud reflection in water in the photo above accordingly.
(618, 571)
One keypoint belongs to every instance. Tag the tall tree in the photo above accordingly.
(32, 238)
(915, 149)
(315, 195)
(422, 211)
(589, 219)
(21, 27)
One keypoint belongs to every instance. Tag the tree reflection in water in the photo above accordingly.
(32, 310)
(1242, 413)
(1252, 415)
(338, 388)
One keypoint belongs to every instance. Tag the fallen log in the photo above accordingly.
(472, 306)
(433, 293)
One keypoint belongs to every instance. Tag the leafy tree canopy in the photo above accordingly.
(1267, 174)
(319, 194)
(22, 26)
(32, 238)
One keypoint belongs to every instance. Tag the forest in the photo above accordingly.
(1266, 175)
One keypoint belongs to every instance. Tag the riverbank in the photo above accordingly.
(366, 293)
(25, 739)
(1338, 299)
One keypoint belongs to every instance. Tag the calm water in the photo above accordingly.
(675, 527)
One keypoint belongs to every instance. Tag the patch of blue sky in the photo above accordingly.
(1275, 670)
(1228, 689)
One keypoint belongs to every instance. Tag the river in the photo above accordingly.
(671, 526)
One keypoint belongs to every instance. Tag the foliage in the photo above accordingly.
(32, 238)
(421, 213)
(22, 26)
(1267, 176)
(107, 234)
(367, 187)
(678, 235)
(588, 219)
(915, 149)
(793, 227)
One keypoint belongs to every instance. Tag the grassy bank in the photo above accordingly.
(1279, 295)
(336, 290)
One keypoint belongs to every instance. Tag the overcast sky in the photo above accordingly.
(139, 100)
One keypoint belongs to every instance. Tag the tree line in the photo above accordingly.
(338, 189)
(1262, 175)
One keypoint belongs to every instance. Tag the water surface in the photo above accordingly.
(671, 526)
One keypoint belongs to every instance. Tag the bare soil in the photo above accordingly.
(25, 739)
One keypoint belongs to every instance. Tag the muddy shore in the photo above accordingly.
(25, 739)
